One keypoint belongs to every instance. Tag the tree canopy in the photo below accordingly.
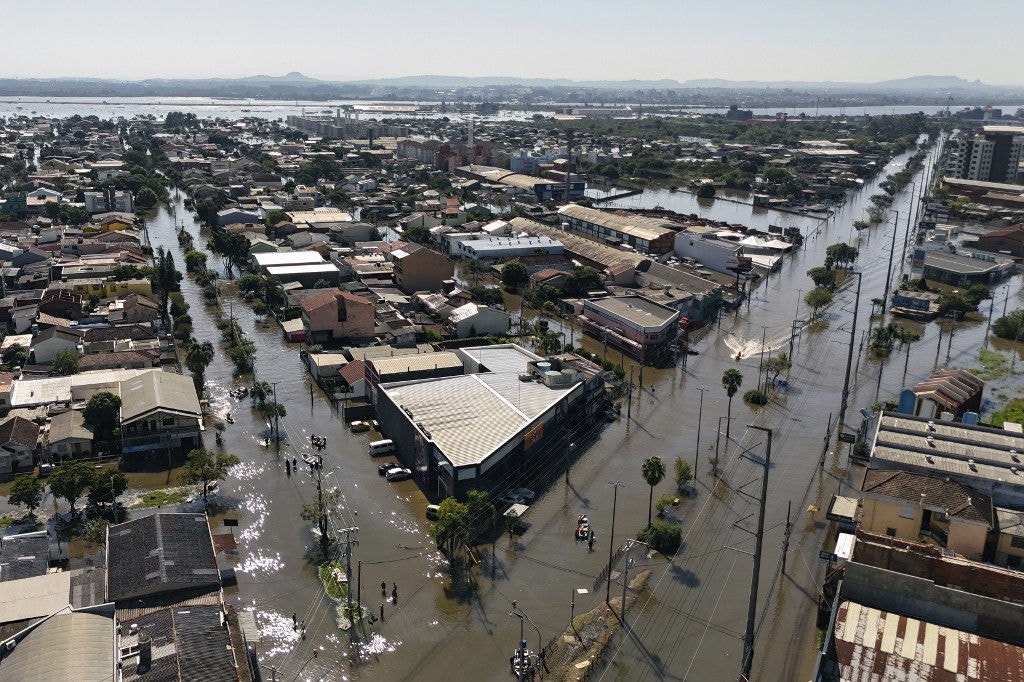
(70, 479)
(205, 466)
(103, 413)
(26, 490)
(817, 298)
(65, 363)
(514, 274)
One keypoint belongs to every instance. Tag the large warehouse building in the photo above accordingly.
(507, 422)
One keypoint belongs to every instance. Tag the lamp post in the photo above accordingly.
(572, 608)
(892, 251)
(849, 356)
(700, 415)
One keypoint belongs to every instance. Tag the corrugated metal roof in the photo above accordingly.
(878, 645)
(639, 226)
(416, 363)
(158, 390)
(68, 646)
(505, 358)
(34, 597)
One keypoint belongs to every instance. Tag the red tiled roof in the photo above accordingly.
(353, 372)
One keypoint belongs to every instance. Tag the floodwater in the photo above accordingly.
(690, 623)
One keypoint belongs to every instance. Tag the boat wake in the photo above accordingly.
(744, 348)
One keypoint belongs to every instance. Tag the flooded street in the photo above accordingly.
(689, 623)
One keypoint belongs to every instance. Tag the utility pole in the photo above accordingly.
(785, 538)
(700, 414)
(938, 348)
(611, 540)
(760, 362)
(796, 321)
(629, 394)
(849, 356)
(348, 568)
(824, 448)
(892, 251)
(748, 636)
(277, 423)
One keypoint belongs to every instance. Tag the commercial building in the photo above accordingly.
(513, 417)
(628, 232)
(1007, 241)
(109, 200)
(478, 247)
(963, 270)
(716, 254)
(636, 326)
(988, 460)
(542, 189)
(993, 155)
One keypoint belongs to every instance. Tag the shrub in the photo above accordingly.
(664, 536)
(755, 396)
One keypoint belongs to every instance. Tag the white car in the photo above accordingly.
(398, 474)
(525, 494)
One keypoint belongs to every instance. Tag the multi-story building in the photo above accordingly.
(109, 200)
(992, 155)
(634, 325)
(418, 268)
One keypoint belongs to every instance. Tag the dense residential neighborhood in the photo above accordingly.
(224, 338)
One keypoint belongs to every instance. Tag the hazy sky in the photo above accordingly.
(867, 40)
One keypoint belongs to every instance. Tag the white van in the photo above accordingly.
(382, 447)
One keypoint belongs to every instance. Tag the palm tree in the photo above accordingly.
(732, 379)
(653, 470)
(198, 357)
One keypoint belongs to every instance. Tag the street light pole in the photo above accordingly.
(849, 356)
(572, 607)
(748, 636)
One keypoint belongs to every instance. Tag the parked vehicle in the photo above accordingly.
(360, 426)
(398, 474)
(385, 467)
(432, 511)
(381, 447)
(525, 494)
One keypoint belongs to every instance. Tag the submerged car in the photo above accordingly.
(398, 474)
(360, 426)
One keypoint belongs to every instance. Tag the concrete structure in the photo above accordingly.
(228, 216)
(479, 247)
(418, 268)
(488, 430)
(472, 319)
(636, 326)
(1007, 241)
(160, 414)
(986, 459)
(910, 506)
(716, 254)
(336, 315)
(110, 200)
(1010, 543)
(540, 189)
(992, 155)
(631, 232)
(952, 391)
(963, 270)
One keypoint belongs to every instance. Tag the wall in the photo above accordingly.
(879, 515)
(967, 539)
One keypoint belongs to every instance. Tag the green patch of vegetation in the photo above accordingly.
(993, 365)
(6, 521)
(162, 498)
(329, 576)
(1013, 411)
(663, 536)
(755, 396)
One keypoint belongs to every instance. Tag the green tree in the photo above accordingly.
(107, 487)
(275, 217)
(65, 363)
(684, 474)
(195, 260)
(732, 379)
(419, 234)
(198, 357)
(840, 254)
(823, 277)
(103, 413)
(479, 511)
(146, 198)
(776, 365)
(653, 471)
(15, 355)
(956, 304)
(817, 298)
(95, 532)
(581, 280)
(514, 274)
(663, 536)
(26, 490)
(70, 479)
(706, 191)
(1011, 326)
(204, 467)
(451, 525)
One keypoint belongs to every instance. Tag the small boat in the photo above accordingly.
(240, 392)
(582, 528)
(311, 460)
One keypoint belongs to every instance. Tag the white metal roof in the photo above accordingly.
(287, 258)
(34, 597)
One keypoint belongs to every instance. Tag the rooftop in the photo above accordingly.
(416, 363)
(35, 597)
(160, 553)
(29, 392)
(24, 556)
(932, 492)
(878, 645)
(589, 249)
(188, 643)
(164, 391)
(638, 226)
(964, 264)
(73, 645)
(274, 258)
(635, 309)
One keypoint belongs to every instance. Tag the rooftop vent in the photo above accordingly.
(1013, 455)
(929, 459)
(931, 441)
(931, 425)
(972, 465)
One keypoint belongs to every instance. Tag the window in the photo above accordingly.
(907, 513)
(1017, 542)
(891, 532)
(169, 421)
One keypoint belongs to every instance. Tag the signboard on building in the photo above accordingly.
(533, 435)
